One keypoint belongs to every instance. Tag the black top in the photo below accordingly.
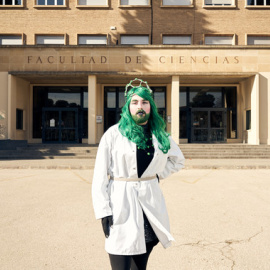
(145, 156)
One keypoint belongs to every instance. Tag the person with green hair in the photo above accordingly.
(133, 156)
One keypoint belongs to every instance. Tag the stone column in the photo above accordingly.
(175, 109)
(11, 107)
(264, 107)
(92, 88)
(254, 132)
(4, 106)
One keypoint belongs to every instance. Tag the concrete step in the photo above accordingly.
(84, 151)
(226, 152)
(10, 157)
(220, 157)
(224, 147)
(60, 146)
(49, 152)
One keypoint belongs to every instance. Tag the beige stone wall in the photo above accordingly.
(72, 21)
(23, 103)
(18, 98)
(196, 20)
(4, 106)
(141, 59)
(247, 86)
(250, 89)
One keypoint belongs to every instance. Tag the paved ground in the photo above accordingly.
(219, 218)
(89, 164)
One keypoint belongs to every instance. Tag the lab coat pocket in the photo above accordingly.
(119, 203)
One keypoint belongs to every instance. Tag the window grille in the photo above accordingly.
(134, 2)
(177, 2)
(10, 2)
(94, 40)
(218, 2)
(258, 2)
(258, 40)
(93, 2)
(50, 40)
(218, 40)
(177, 40)
(135, 40)
(11, 40)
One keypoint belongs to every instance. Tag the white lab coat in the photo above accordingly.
(125, 200)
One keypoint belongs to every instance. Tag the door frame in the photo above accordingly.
(60, 110)
(209, 110)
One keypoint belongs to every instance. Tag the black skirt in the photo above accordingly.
(149, 233)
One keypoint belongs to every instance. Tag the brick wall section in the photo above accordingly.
(197, 21)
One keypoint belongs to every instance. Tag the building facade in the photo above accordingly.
(64, 66)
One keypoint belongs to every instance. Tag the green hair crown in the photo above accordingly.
(134, 132)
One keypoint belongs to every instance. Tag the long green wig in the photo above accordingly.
(134, 132)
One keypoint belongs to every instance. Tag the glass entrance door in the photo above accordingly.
(114, 100)
(208, 125)
(60, 125)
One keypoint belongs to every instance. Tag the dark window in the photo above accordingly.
(19, 119)
(85, 124)
(110, 98)
(59, 97)
(258, 2)
(85, 100)
(183, 98)
(10, 2)
(160, 100)
(206, 97)
(183, 124)
(248, 119)
(231, 101)
(183, 112)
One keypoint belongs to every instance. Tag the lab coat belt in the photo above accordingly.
(133, 179)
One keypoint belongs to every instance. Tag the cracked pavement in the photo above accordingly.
(225, 247)
(220, 220)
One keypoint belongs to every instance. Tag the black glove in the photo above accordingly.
(107, 222)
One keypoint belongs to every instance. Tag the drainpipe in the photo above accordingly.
(151, 31)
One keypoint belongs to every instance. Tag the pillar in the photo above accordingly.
(254, 132)
(264, 108)
(11, 107)
(92, 88)
(4, 106)
(175, 109)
